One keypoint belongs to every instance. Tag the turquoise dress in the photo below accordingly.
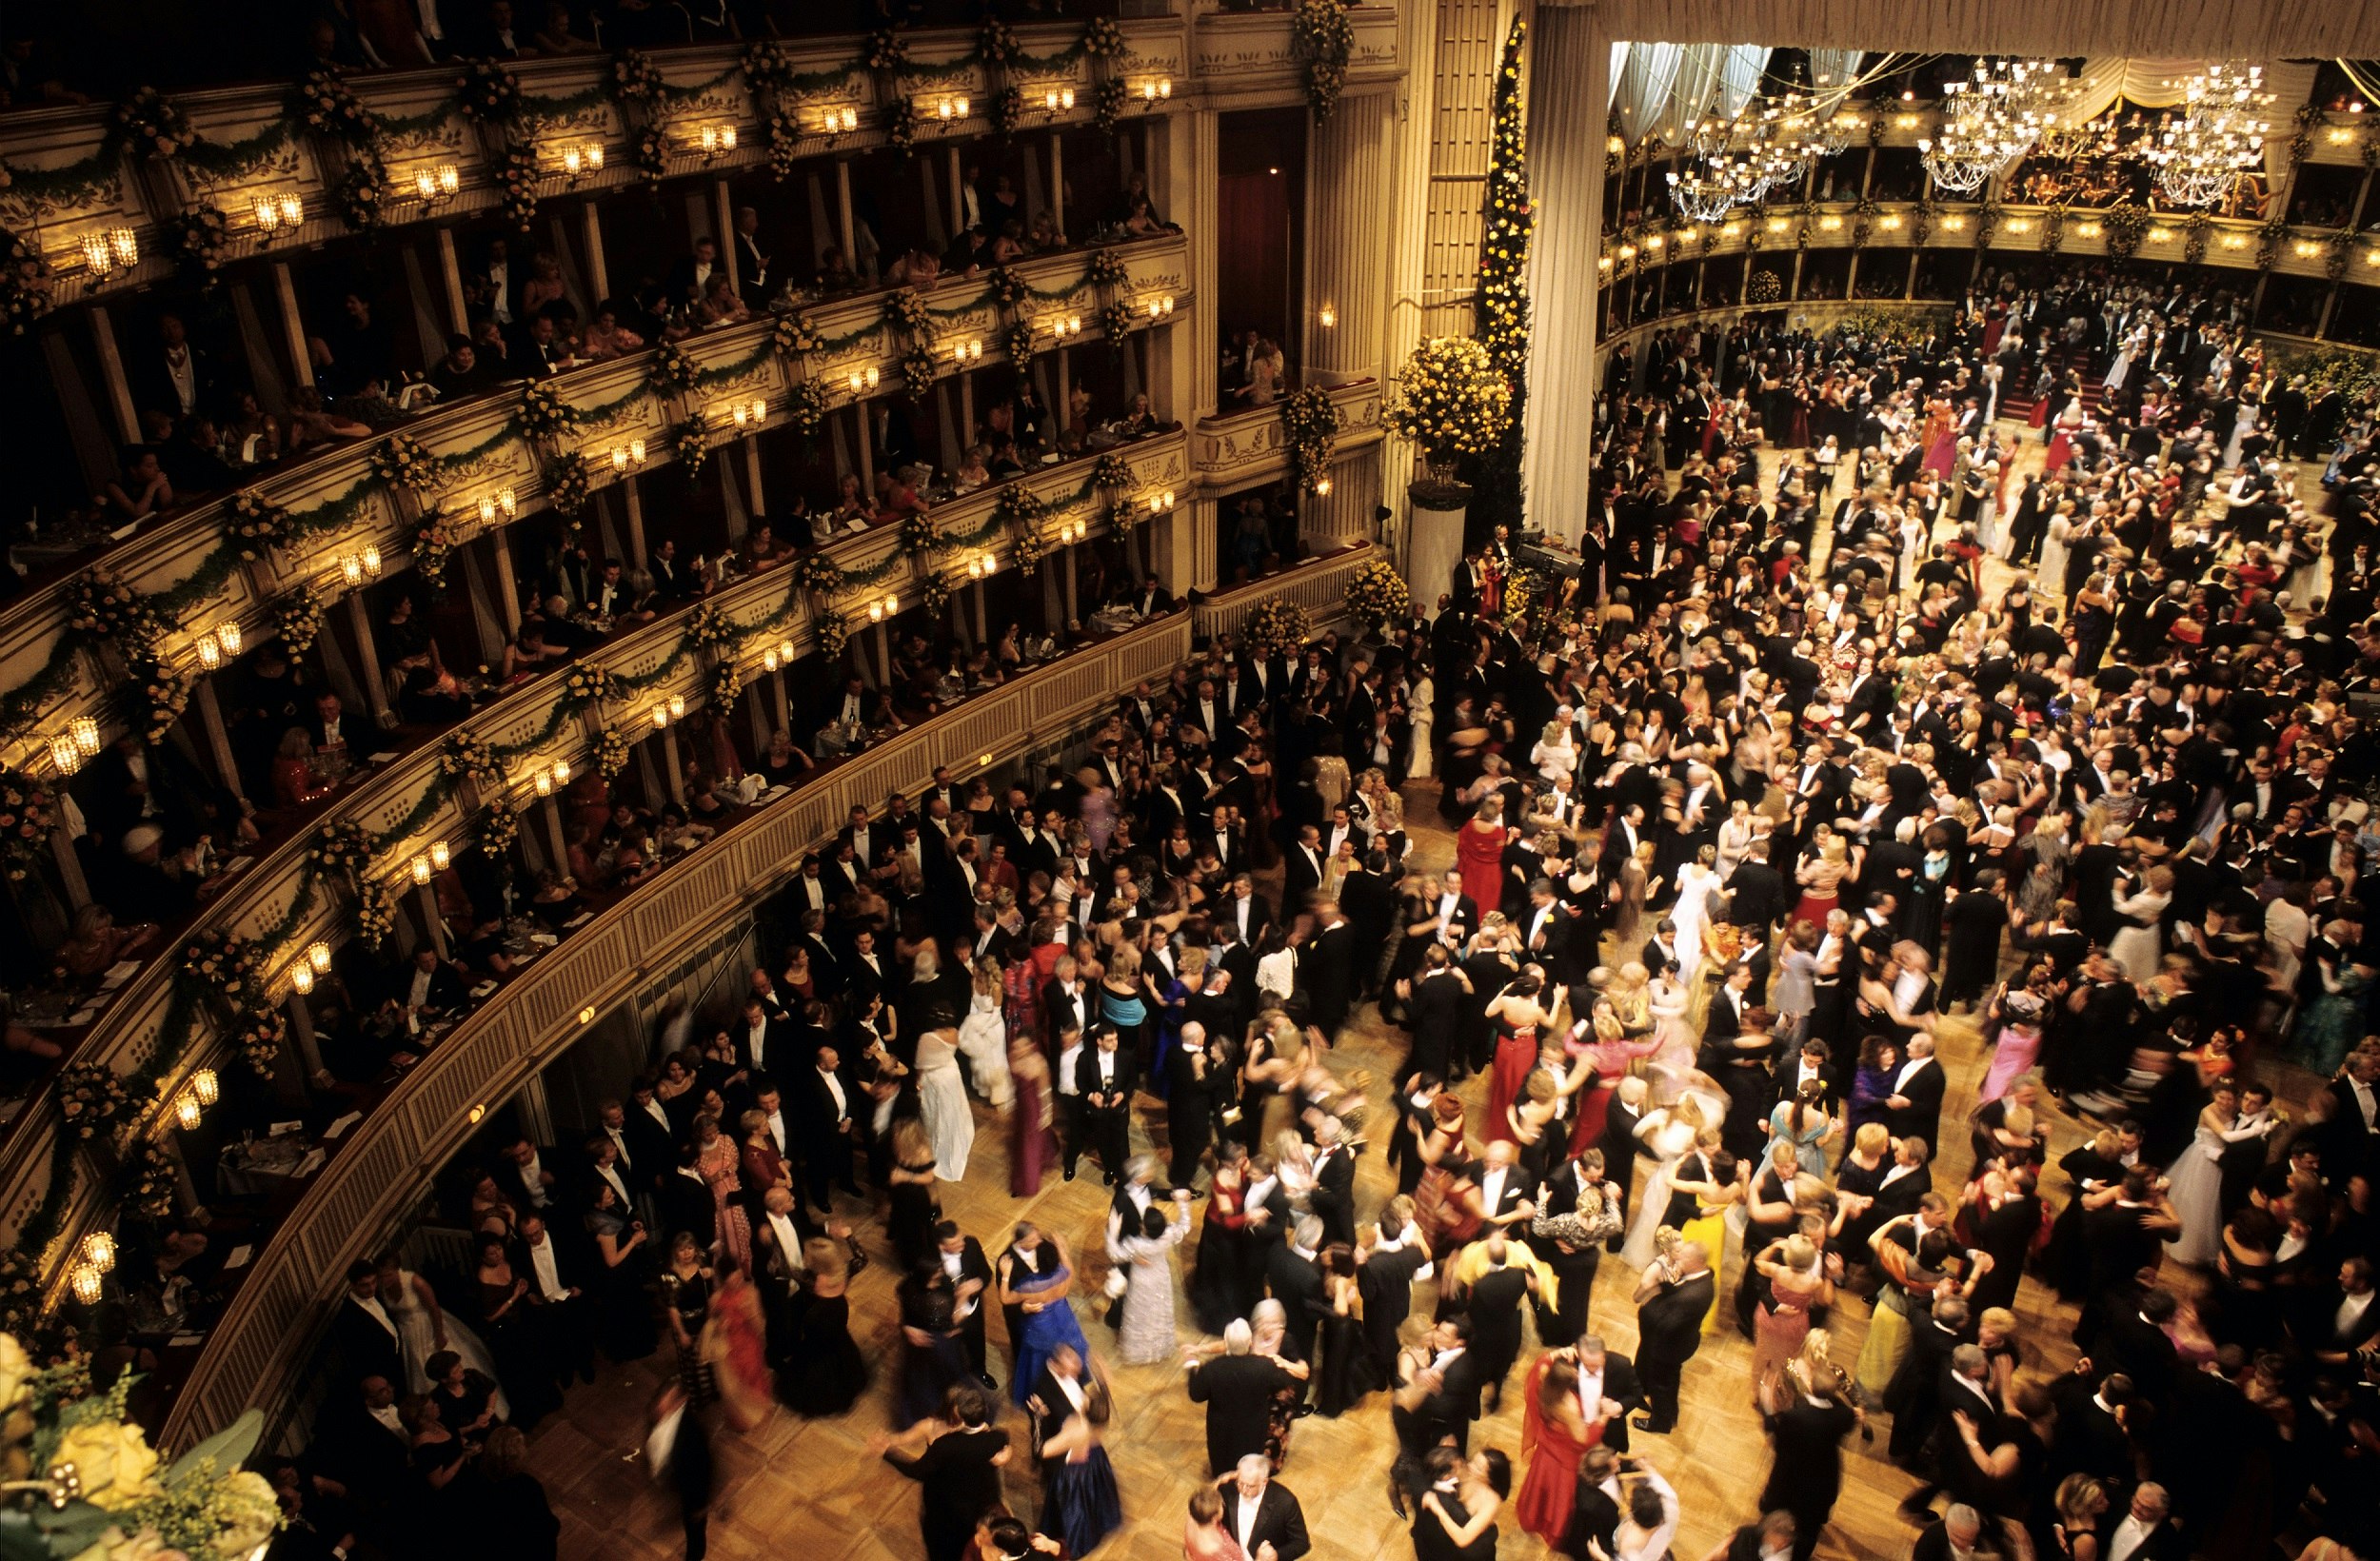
(2332, 1023)
(1805, 1143)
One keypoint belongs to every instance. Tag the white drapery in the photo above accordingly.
(1740, 76)
(1646, 80)
(1832, 69)
(1565, 182)
(1610, 82)
(2157, 84)
(2237, 29)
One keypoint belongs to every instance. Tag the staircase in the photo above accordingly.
(2020, 404)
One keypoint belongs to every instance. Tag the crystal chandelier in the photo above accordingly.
(1704, 195)
(1992, 121)
(2220, 131)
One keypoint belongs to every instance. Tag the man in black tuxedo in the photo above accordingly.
(1621, 1147)
(643, 1141)
(1914, 1108)
(559, 1306)
(1609, 1389)
(1237, 1388)
(1326, 968)
(1058, 1392)
(1295, 1279)
(1244, 910)
(1301, 868)
(827, 1100)
(962, 1257)
(763, 1041)
(363, 1334)
(1755, 893)
(1333, 1196)
(1103, 1080)
(1263, 1516)
(364, 1445)
(1960, 1537)
(1672, 1302)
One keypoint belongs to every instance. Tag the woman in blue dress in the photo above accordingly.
(1039, 1300)
(1804, 1123)
(1078, 1501)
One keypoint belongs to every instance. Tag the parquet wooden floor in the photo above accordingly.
(808, 1489)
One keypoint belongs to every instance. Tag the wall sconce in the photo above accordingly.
(1892, 224)
(630, 454)
(1070, 326)
(2088, 230)
(75, 746)
(1955, 223)
(432, 186)
(1321, 487)
(1162, 502)
(677, 707)
(204, 1086)
(715, 139)
(1058, 99)
(583, 157)
(275, 212)
(2371, 257)
(1731, 229)
(863, 379)
(99, 1251)
(420, 869)
(439, 855)
(186, 1111)
(318, 955)
(1327, 317)
(1627, 251)
(1829, 222)
(2018, 224)
(888, 606)
(355, 568)
(2304, 248)
(1907, 121)
(208, 650)
(750, 414)
(65, 755)
(110, 251)
(768, 658)
(952, 107)
(1161, 306)
(2159, 235)
(839, 121)
(1778, 224)
(1655, 242)
(1155, 91)
(1072, 531)
(2341, 135)
(1603, 263)
(2234, 241)
(502, 503)
(966, 353)
(785, 652)
(978, 567)
(301, 978)
(87, 1283)
(661, 717)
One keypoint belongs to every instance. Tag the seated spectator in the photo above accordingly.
(761, 550)
(250, 436)
(355, 353)
(557, 37)
(485, 949)
(915, 268)
(545, 284)
(677, 832)
(1044, 235)
(606, 337)
(975, 470)
(784, 763)
(427, 693)
(967, 254)
(432, 986)
(95, 942)
(670, 580)
(391, 32)
(1009, 246)
(1133, 200)
(30, 73)
(497, 38)
(852, 512)
(295, 780)
(530, 654)
(720, 305)
(141, 490)
(896, 496)
(1140, 422)
(556, 900)
(1078, 415)
(834, 273)
(492, 351)
(544, 349)
(458, 373)
(614, 599)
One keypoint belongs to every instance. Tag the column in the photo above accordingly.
(450, 273)
(1408, 231)
(598, 274)
(1568, 82)
(368, 660)
(69, 870)
(753, 475)
(111, 370)
(842, 213)
(635, 507)
(958, 193)
(218, 739)
(1058, 179)
(535, 1111)
(425, 902)
(507, 588)
(301, 1032)
(1193, 190)
(1342, 515)
(292, 325)
(725, 198)
(1347, 237)
(550, 815)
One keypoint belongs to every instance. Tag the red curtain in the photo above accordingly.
(1253, 246)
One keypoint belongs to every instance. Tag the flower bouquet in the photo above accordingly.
(1108, 102)
(834, 632)
(634, 77)
(888, 49)
(612, 752)
(298, 617)
(153, 127)
(200, 234)
(726, 687)
(1109, 271)
(331, 107)
(432, 545)
(1103, 39)
(258, 524)
(401, 462)
(918, 537)
(995, 44)
(147, 1178)
(1321, 37)
(1019, 341)
(1123, 515)
(499, 828)
(900, 127)
(905, 307)
(520, 186)
(587, 682)
(26, 811)
(1008, 288)
(345, 847)
(490, 92)
(375, 912)
(917, 374)
(103, 606)
(92, 1101)
(692, 441)
(567, 487)
(805, 408)
(470, 758)
(1310, 420)
(1278, 628)
(1023, 507)
(936, 597)
(795, 334)
(1376, 595)
(711, 628)
(1029, 552)
(816, 572)
(767, 66)
(227, 966)
(672, 370)
(1451, 401)
(1116, 324)
(160, 694)
(545, 415)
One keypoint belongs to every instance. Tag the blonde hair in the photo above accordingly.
(1871, 1139)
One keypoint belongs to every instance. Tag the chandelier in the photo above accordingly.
(1707, 194)
(1993, 120)
(2220, 130)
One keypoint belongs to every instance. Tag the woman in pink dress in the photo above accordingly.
(716, 1161)
(2019, 1044)
(1031, 1144)
(1611, 1053)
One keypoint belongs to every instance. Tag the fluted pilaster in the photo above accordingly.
(1349, 208)
(1569, 72)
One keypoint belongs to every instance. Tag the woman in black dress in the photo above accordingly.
(1346, 1375)
(515, 1519)
(624, 1314)
(910, 1222)
(932, 1358)
(828, 1372)
(1808, 1411)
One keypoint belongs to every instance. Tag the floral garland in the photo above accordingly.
(635, 78)
(612, 752)
(886, 50)
(785, 145)
(401, 462)
(1322, 38)
(258, 525)
(1028, 552)
(711, 629)
(1115, 319)
(569, 486)
(1008, 288)
(20, 1292)
(262, 1033)
(329, 106)
(916, 373)
(222, 964)
(1310, 423)
(1112, 471)
(692, 441)
(905, 307)
(343, 846)
(650, 152)
(833, 631)
(794, 334)
(805, 408)
(918, 538)
(298, 616)
(995, 43)
(817, 573)
(93, 1099)
(375, 913)
(153, 127)
(587, 682)
(936, 597)
(488, 92)
(433, 545)
(499, 828)
(519, 187)
(1450, 401)
(2124, 223)
(1109, 101)
(1108, 269)
(159, 695)
(24, 282)
(767, 68)
(102, 605)
(1766, 286)
(147, 1177)
(1103, 39)
(672, 370)
(1007, 112)
(199, 236)
(469, 756)
(362, 194)
(26, 812)
(1019, 342)
(545, 414)
(1377, 597)
(1278, 628)
(900, 127)
(726, 686)
(1123, 515)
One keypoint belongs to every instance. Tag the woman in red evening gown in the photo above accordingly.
(1554, 1434)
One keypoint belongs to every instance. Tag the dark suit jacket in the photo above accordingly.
(1238, 1393)
(364, 1347)
(1278, 1522)
(1333, 1196)
(1922, 1116)
(1086, 1076)
(1669, 1327)
(1296, 1283)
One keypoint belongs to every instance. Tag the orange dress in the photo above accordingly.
(1551, 1486)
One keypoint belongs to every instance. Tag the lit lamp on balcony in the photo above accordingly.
(355, 568)
(661, 717)
(583, 157)
(420, 869)
(889, 605)
(301, 978)
(1161, 504)
(716, 139)
(625, 456)
(110, 251)
(952, 107)
(542, 783)
(318, 955)
(88, 1283)
(204, 1086)
(504, 502)
(1072, 531)
(750, 414)
(966, 353)
(99, 1251)
(275, 212)
(65, 755)
(1058, 99)
(677, 707)
(768, 658)
(839, 121)
(186, 1111)
(863, 379)
(442, 183)
(1157, 91)
(208, 650)
(977, 566)
(1327, 317)
(1321, 487)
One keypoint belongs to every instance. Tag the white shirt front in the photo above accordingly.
(2129, 1536)
(378, 1314)
(756, 1040)
(620, 1142)
(1492, 1189)
(1247, 1522)
(788, 1240)
(1909, 1071)
(834, 1093)
(548, 1279)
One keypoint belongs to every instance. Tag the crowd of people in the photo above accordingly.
(1747, 818)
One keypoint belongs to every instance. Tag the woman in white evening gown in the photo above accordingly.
(424, 1328)
(942, 1104)
(1421, 702)
(1670, 1133)
(1697, 881)
(1147, 1334)
(2196, 1177)
(1667, 1070)
(983, 1037)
